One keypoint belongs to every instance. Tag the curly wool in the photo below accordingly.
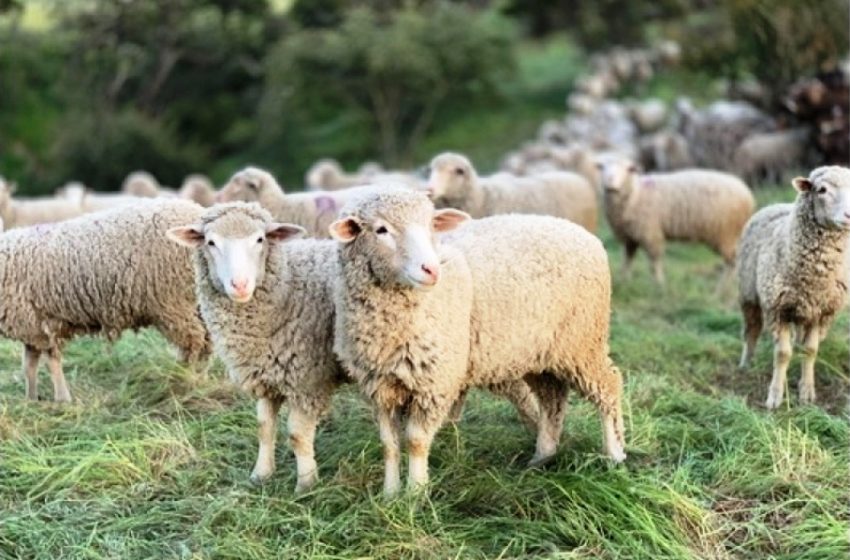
(101, 274)
(556, 193)
(278, 345)
(542, 303)
(791, 267)
(689, 205)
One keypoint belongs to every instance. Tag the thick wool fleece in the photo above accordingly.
(102, 273)
(407, 348)
(556, 193)
(542, 301)
(278, 345)
(690, 205)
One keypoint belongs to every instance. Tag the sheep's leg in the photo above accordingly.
(811, 341)
(456, 412)
(629, 251)
(522, 396)
(753, 324)
(657, 263)
(551, 395)
(604, 388)
(422, 426)
(30, 367)
(781, 359)
(389, 429)
(302, 434)
(61, 393)
(267, 410)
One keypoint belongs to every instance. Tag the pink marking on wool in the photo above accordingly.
(325, 204)
(647, 182)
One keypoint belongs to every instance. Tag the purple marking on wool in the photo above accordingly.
(647, 182)
(325, 204)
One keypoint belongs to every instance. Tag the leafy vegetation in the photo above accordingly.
(152, 460)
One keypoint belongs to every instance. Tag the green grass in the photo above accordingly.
(152, 460)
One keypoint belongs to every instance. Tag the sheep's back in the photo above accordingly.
(540, 283)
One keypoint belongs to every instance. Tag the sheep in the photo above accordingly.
(646, 210)
(102, 273)
(766, 155)
(95, 201)
(648, 115)
(665, 151)
(418, 324)
(20, 212)
(141, 184)
(792, 274)
(269, 309)
(199, 189)
(454, 182)
(314, 211)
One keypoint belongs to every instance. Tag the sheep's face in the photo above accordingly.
(829, 191)
(140, 183)
(324, 174)
(235, 249)
(198, 189)
(616, 177)
(450, 178)
(396, 234)
(248, 185)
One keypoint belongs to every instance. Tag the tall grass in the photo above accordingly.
(152, 460)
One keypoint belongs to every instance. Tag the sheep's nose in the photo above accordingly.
(240, 286)
(432, 272)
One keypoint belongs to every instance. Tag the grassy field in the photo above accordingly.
(152, 461)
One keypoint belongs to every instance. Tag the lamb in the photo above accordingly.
(454, 183)
(792, 274)
(646, 210)
(198, 188)
(269, 309)
(21, 212)
(767, 155)
(141, 184)
(418, 324)
(314, 211)
(117, 272)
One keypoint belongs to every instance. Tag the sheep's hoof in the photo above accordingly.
(807, 394)
(302, 487)
(617, 455)
(259, 479)
(541, 461)
(773, 401)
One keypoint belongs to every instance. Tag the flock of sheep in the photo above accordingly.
(416, 290)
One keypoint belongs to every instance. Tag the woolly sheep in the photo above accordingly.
(646, 210)
(648, 115)
(792, 274)
(269, 309)
(198, 188)
(142, 184)
(454, 182)
(405, 309)
(103, 273)
(21, 212)
(665, 151)
(314, 211)
(93, 201)
(766, 156)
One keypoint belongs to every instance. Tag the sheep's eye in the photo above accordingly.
(381, 230)
(211, 243)
(459, 171)
(821, 190)
(260, 239)
(252, 185)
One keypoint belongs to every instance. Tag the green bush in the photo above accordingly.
(100, 150)
(380, 78)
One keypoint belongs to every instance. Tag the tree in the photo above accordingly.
(394, 69)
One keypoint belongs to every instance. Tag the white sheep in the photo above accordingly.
(268, 306)
(647, 210)
(91, 201)
(102, 273)
(20, 212)
(648, 115)
(453, 182)
(198, 188)
(416, 325)
(141, 184)
(792, 274)
(314, 211)
(766, 156)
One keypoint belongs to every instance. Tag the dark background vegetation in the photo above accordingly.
(90, 90)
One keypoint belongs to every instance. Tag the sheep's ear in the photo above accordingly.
(188, 236)
(802, 184)
(448, 219)
(284, 232)
(634, 168)
(345, 230)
